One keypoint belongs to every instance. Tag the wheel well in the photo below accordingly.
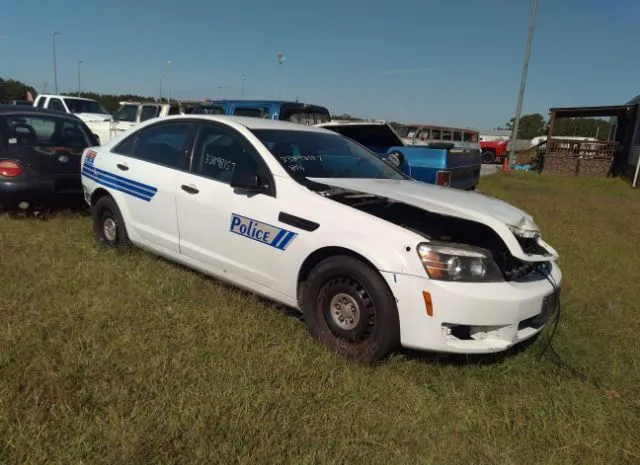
(316, 257)
(97, 195)
(489, 149)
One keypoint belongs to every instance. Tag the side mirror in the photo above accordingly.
(246, 181)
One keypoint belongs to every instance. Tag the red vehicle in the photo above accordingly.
(494, 150)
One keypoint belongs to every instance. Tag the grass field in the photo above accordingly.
(108, 358)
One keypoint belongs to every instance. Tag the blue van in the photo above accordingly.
(295, 112)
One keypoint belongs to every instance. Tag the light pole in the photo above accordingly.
(281, 60)
(242, 86)
(523, 82)
(161, 89)
(79, 86)
(169, 63)
(55, 65)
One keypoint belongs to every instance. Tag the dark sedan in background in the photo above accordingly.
(40, 153)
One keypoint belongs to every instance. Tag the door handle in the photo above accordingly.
(122, 167)
(190, 189)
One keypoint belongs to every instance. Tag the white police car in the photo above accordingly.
(313, 220)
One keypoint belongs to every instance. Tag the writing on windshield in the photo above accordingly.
(316, 154)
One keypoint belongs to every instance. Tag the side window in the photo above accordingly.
(148, 112)
(164, 144)
(56, 104)
(127, 113)
(252, 112)
(446, 135)
(424, 134)
(457, 136)
(41, 102)
(174, 110)
(470, 137)
(219, 153)
(126, 146)
(436, 134)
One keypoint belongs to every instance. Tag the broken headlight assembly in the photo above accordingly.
(458, 262)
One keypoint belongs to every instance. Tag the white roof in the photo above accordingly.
(252, 122)
(349, 123)
(66, 96)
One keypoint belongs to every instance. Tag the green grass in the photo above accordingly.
(109, 358)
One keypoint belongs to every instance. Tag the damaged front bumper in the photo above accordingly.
(473, 317)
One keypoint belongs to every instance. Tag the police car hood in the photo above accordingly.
(504, 218)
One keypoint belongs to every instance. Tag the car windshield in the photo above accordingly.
(307, 154)
(77, 105)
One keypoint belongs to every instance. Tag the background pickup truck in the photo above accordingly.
(494, 151)
(85, 109)
(129, 114)
(437, 163)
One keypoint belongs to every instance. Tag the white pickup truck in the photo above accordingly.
(131, 114)
(86, 109)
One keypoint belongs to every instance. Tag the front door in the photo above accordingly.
(228, 230)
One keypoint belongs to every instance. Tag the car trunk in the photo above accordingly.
(47, 159)
(60, 164)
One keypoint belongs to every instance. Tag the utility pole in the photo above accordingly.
(55, 65)
(523, 82)
(79, 86)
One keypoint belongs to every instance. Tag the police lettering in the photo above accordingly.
(250, 229)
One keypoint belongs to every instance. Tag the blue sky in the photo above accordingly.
(454, 62)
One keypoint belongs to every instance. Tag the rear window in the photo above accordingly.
(305, 116)
(208, 110)
(43, 130)
(372, 136)
(251, 112)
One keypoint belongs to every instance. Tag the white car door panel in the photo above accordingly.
(233, 231)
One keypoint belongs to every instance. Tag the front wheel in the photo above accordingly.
(349, 308)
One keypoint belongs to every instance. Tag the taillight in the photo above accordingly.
(10, 169)
(443, 178)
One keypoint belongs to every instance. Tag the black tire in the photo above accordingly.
(376, 326)
(104, 211)
(488, 157)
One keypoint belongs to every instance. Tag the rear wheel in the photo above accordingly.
(349, 308)
(488, 157)
(108, 225)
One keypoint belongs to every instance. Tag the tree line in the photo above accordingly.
(531, 125)
(12, 89)
(534, 125)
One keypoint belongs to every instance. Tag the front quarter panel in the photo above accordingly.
(388, 247)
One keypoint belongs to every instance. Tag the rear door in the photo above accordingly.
(141, 173)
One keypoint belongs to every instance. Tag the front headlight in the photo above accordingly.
(458, 262)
